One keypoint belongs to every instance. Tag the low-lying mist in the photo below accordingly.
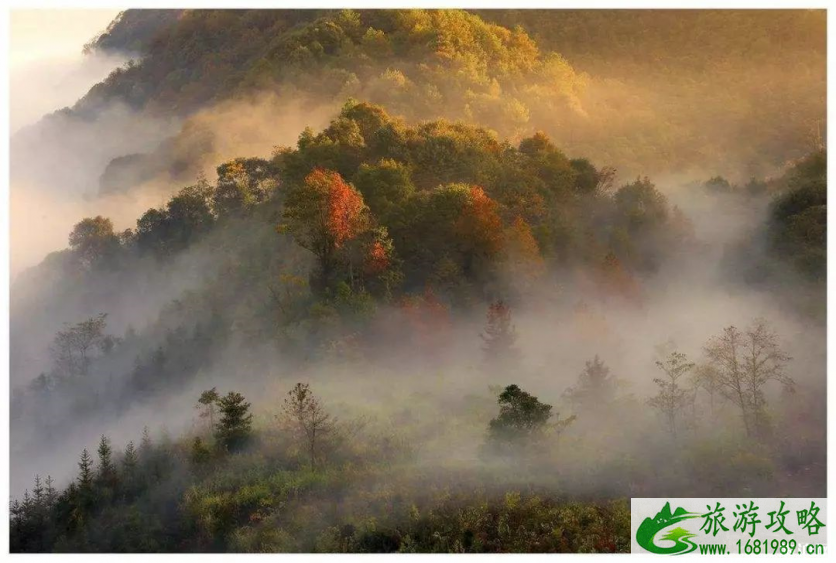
(561, 324)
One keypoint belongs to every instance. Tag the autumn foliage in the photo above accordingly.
(324, 214)
(377, 259)
(345, 206)
(522, 250)
(479, 226)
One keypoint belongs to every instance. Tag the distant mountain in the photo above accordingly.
(648, 91)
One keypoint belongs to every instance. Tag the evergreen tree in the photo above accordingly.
(235, 426)
(595, 390)
(85, 475)
(38, 490)
(82, 498)
(106, 469)
(130, 459)
(145, 444)
(50, 493)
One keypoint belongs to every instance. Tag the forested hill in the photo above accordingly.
(357, 259)
(308, 252)
(445, 56)
(451, 268)
(655, 91)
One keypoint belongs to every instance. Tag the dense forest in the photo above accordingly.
(647, 91)
(456, 314)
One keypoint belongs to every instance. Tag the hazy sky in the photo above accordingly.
(47, 70)
(50, 34)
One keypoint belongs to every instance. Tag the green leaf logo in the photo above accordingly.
(680, 537)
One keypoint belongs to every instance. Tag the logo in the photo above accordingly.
(777, 526)
(681, 538)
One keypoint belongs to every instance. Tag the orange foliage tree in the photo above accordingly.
(323, 214)
(479, 227)
(522, 251)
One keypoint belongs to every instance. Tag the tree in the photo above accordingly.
(385, 187)
(641, 206)
(591, 181)
(85, 475)
(746, 362)
(478, 229)
(304, 415)
(706, 377)
(72, 348)
(130, 459)
(522, 251)
(49, 492)
(151, 232)
(797, 227)
(93, 241)
(200, 454)
(107, 471)
(500, 335)
(522, 418)
(323, 214)
(595, 390)
(190, 213)
(208, 400)
(186, 217)
(129, 480)
(672, 397)
(38, 490)
(235, 426)
(145, 444)
(242, 184)
(641, 222)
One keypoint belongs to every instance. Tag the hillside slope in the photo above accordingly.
(734, 92)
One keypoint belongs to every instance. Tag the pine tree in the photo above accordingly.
(38, 490)
(130, 459)
(85, 466)
(595, 390)
(17, 516)
(235, 425)
(50, 493)
(27, 502)
(107, 471)
(145, 444)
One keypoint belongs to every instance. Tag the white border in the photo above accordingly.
(589, 4)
